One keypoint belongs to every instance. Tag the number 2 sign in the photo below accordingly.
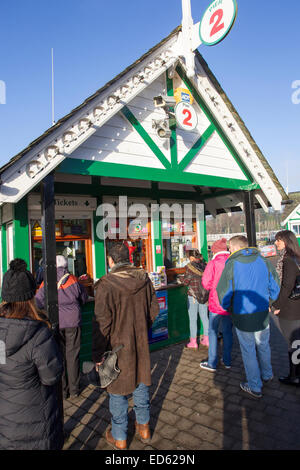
(217, 21)
(186, 116)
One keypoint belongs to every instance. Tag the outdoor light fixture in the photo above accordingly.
(164, 101)
(162, 128)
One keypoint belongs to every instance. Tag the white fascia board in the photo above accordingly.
(293, 214)
(236, 136)
(16, 182)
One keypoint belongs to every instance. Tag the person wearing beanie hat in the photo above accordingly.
(217, 315)
(71, 296)
(18, 284)
(30, 368)
(219, 245)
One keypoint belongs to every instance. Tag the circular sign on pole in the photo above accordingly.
(217, 21)
(186, 116)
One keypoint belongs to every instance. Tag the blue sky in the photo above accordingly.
(94, 40)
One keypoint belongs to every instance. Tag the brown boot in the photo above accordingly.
(117, 445)
(142, 432)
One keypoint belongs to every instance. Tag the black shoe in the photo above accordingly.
(290, 380)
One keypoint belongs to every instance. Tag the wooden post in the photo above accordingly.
(250, 217)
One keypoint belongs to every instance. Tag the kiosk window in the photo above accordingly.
(73, 240)
(178, 239)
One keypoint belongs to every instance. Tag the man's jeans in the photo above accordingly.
(257, 366)
(118, 406)
(194, 308)
(214, 322)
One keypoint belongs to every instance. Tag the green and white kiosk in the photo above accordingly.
(161, 132)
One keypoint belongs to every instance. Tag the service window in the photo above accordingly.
(73, 240)
(296, 229)
(178, 239)
(137, 238)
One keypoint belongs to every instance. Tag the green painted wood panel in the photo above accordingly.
(21, 232)
(86, 167)
(4, 249)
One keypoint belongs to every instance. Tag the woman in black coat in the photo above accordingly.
(30, 368)
(288, 310)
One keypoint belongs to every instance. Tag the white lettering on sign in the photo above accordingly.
(217, 21)
(186, 116)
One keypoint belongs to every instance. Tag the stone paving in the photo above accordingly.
(193, 409)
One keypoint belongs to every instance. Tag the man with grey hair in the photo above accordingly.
(247, 285)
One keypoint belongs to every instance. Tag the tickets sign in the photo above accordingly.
(217, 21)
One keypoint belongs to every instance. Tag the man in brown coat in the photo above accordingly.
(125, 308)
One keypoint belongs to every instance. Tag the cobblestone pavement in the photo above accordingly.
(193, 409)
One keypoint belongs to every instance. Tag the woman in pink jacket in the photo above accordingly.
(210, 281)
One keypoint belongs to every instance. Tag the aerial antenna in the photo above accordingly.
(287, 178)
(52, 78)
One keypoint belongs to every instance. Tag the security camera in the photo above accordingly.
(162, 129)
(163, 101)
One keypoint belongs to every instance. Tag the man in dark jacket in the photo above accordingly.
(125, 308)
(71, 296)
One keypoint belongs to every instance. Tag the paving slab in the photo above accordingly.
(193, 409)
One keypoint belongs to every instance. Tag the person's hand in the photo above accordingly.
(276, 312)
(98, 364)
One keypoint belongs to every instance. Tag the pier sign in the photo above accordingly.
(217, 21)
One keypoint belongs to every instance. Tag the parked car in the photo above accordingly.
(268, 250)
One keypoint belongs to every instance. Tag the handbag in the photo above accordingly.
(107, 372)
(295, 294)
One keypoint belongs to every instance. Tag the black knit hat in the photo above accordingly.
(18, 283)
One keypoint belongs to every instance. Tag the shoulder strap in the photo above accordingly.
(61, 280)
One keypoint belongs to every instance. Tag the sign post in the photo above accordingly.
(215, 25)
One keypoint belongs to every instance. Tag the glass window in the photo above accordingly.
(176, 250)
(296, 229)
(137, 251)
(75, 227)
(74, 251)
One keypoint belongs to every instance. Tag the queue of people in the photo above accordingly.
(237, 288)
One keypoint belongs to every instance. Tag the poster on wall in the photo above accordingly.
(159, 329)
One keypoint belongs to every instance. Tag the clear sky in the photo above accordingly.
(94, 40)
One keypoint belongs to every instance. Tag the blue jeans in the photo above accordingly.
(194, 308)
(256, 354)
(214, 323)
(118, 406)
